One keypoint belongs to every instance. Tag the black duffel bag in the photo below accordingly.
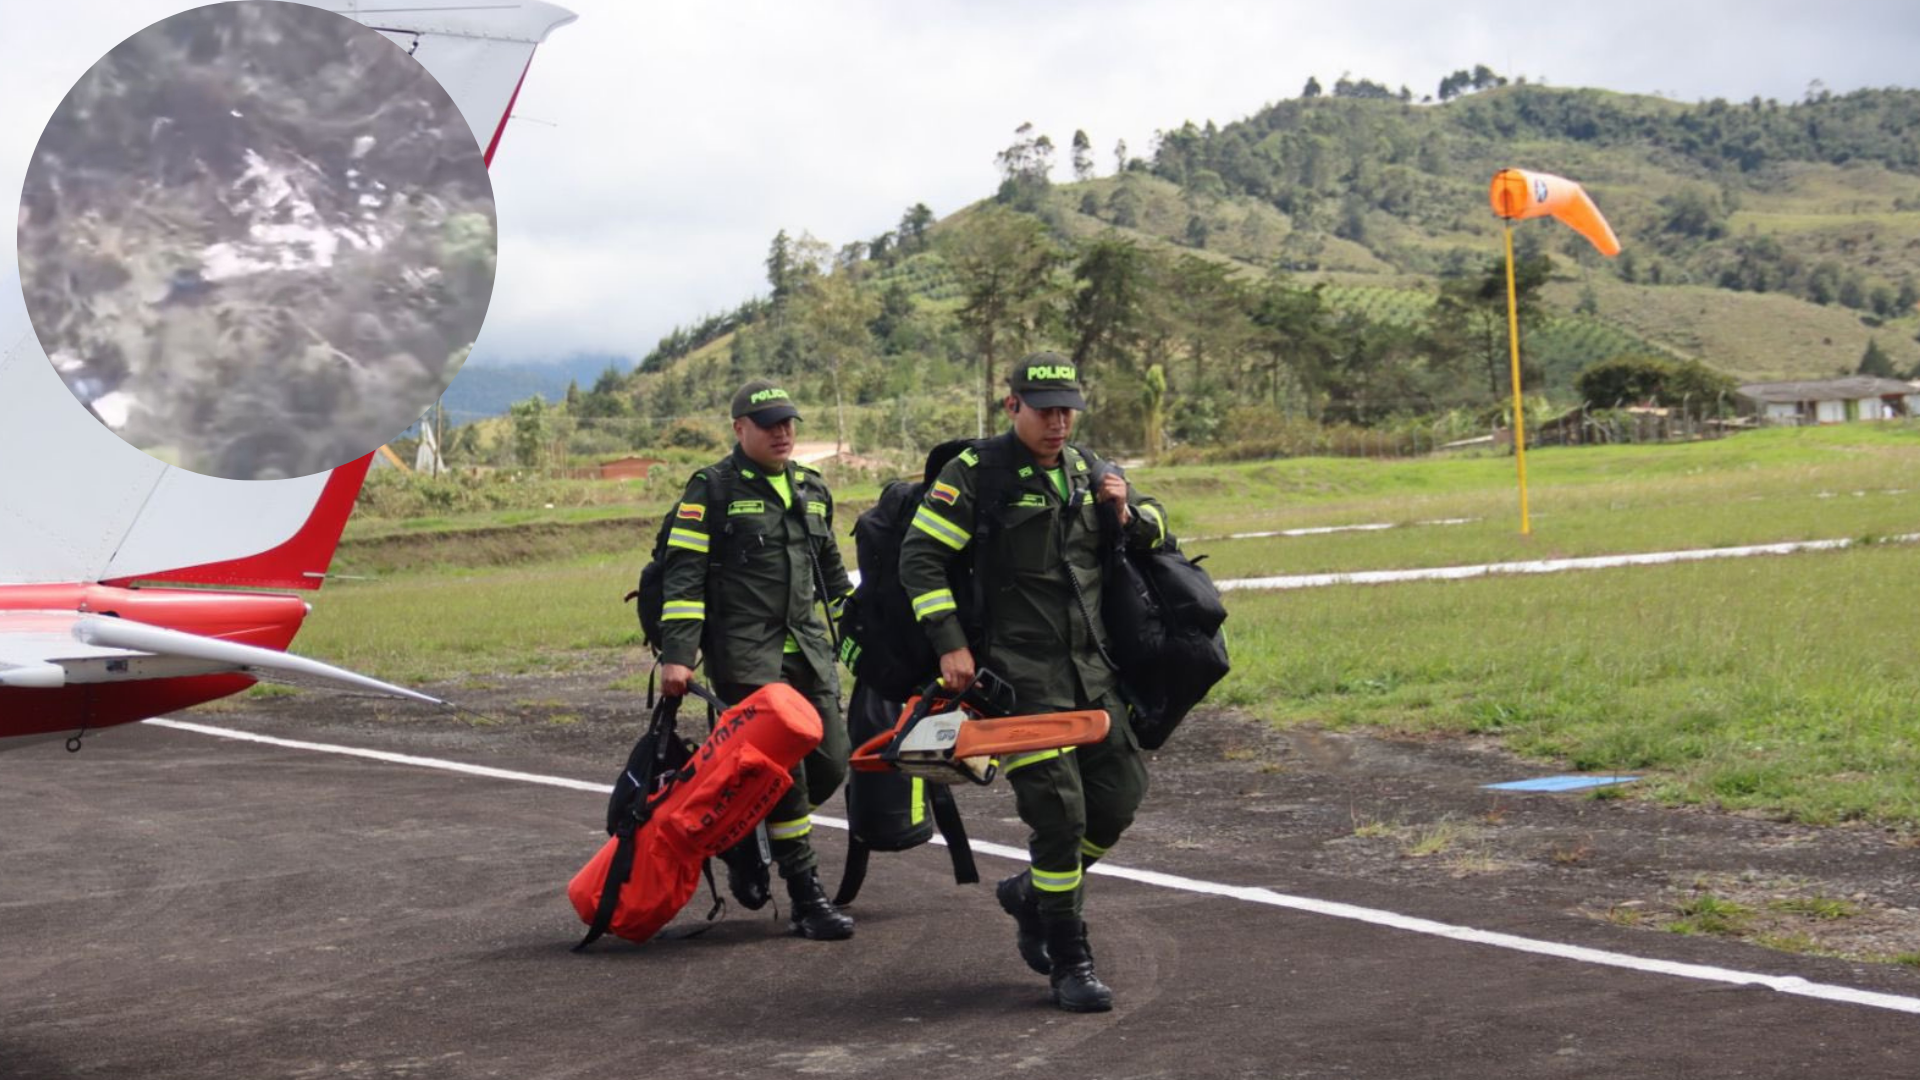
(1163, 617)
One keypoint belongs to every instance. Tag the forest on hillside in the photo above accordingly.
(1328, 263)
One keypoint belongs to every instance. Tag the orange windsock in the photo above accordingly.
(1519, 194)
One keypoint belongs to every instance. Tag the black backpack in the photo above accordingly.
(881, 642)
(652, 589)
(1163, 616)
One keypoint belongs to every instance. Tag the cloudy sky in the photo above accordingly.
(659, 146)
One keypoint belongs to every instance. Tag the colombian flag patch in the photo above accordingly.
(945, 493)
(691, 512)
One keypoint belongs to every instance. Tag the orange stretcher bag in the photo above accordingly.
(704, 803)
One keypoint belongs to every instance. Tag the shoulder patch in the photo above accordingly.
(1080, 464)
(691, 512)
(945, 493)
(1025, 471)
(969, 456)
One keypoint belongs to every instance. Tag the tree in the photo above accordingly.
(780, 267)
(1082, 156)
(1153, 396)
(1823, 283)
(1697, 388)
(1469, 320)
(532, 430)
(835, 319)
(1206, 307)
(1120, 157)
(1623, 379)
(1293, 333)
(913, 229)
(1198, 231)
(1312, 89)
(1104, 314)
(1853, 290)
(1004, 260)
(1695, 213)
(1024, 169)
(887, 327)
(1874, 361)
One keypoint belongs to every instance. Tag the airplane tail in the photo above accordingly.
(300, 562)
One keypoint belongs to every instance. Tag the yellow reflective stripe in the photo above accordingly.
(933, 603)
(969, 456)
(940, 528)
(687, 538)
(918, 813)
(790, 830)
(1051, 881)
(1021, 761)
(683, 609)
(1092, 850)
(1159, 526)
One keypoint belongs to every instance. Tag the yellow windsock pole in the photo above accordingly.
(1519, 409)
(1518, 194)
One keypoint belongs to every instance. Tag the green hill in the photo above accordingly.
(1333, 259)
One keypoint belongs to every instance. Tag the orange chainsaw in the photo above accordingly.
(945, 736)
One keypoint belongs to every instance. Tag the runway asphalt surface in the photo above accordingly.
(177, 905)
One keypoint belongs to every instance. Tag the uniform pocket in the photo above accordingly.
(1029, 540)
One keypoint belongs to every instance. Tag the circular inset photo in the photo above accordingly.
(257, 240)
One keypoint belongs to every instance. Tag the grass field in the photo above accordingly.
(1787, 684)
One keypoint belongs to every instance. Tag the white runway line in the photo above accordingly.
(1322, 530)
(386, 756)
(1541, 566)
(1786, 984)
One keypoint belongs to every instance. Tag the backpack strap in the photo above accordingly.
(719, 486)
(813, 558)
(989, 493)
(854, 874)
(946, 817)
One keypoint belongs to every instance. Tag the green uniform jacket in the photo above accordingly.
(764, 592)
(1038, 640)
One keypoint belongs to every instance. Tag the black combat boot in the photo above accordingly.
(1075, 987)
(1018, 899)
(747, 877)
(814, 916)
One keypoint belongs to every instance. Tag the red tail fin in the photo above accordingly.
(301, 561)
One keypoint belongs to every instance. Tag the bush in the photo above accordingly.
(691, 435)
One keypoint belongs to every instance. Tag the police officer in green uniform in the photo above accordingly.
(755, 615)
(1039, 579)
